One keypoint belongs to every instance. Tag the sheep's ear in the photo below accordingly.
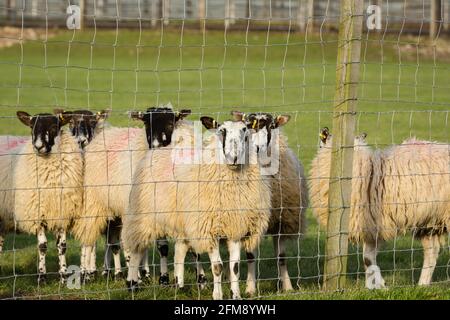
(102, 115)
(182, 114)
(64, 118)
(238, 115)
(281, 120)
(324, 133)
(24, 117)
(137, 115)
(209, 123)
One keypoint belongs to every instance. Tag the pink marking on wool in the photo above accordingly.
(121, 143)
(10, 142)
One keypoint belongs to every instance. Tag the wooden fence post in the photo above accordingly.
(436, 18)
(201, 12)
(347, 77)
(82, 13)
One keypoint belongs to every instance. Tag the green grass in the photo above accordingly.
(105, 69)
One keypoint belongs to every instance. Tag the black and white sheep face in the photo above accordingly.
(233, 136)
(83, 126)
(160, 124)
(84, 123)
(45, 129)
(324, 136)
(262, 125)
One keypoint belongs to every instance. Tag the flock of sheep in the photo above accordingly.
(94, 179)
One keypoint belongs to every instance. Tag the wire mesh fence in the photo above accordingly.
(110, 168)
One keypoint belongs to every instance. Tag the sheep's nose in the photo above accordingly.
(42, 150)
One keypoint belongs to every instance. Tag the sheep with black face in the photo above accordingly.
(110, 161)
(83, 124)
(48, 183)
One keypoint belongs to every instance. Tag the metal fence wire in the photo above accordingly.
(224, 149)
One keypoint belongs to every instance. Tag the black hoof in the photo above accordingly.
(63, 278)
(118, 275)
(143, 273)
(145, 276)
(202, 281)
(42, 279)
(164, 279)
(106, 274)
(87, 277)
(132, 286)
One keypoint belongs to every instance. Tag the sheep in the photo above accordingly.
(110, 160)
(289, 190)
(83, 124)
(383, 202)
(47, 183)
(9, 146)
(221, 197)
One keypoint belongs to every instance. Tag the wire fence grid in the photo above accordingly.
(214, 57)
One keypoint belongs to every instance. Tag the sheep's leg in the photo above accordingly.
(374, 280)
(181, 248)
(133, 269)
(431, 248)
(200, 272)
(146, 266)
(2, 242)
(108, 251)
(107, 259)
(163, 248)
(92, 260)
(127, 254)
(251, 274)
(234, 248)
(61, 245)
(114, 244)
(279, 244)
(217, 267)
(88, 257)
(42, 246)
(83, 260)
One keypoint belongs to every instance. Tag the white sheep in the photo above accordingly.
(404, 188)
(83, 124)
(48, 183)
(200, 203)
(9, 146)
(110, 160)
(289, 190)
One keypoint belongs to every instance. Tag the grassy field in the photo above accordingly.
(404, 92)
